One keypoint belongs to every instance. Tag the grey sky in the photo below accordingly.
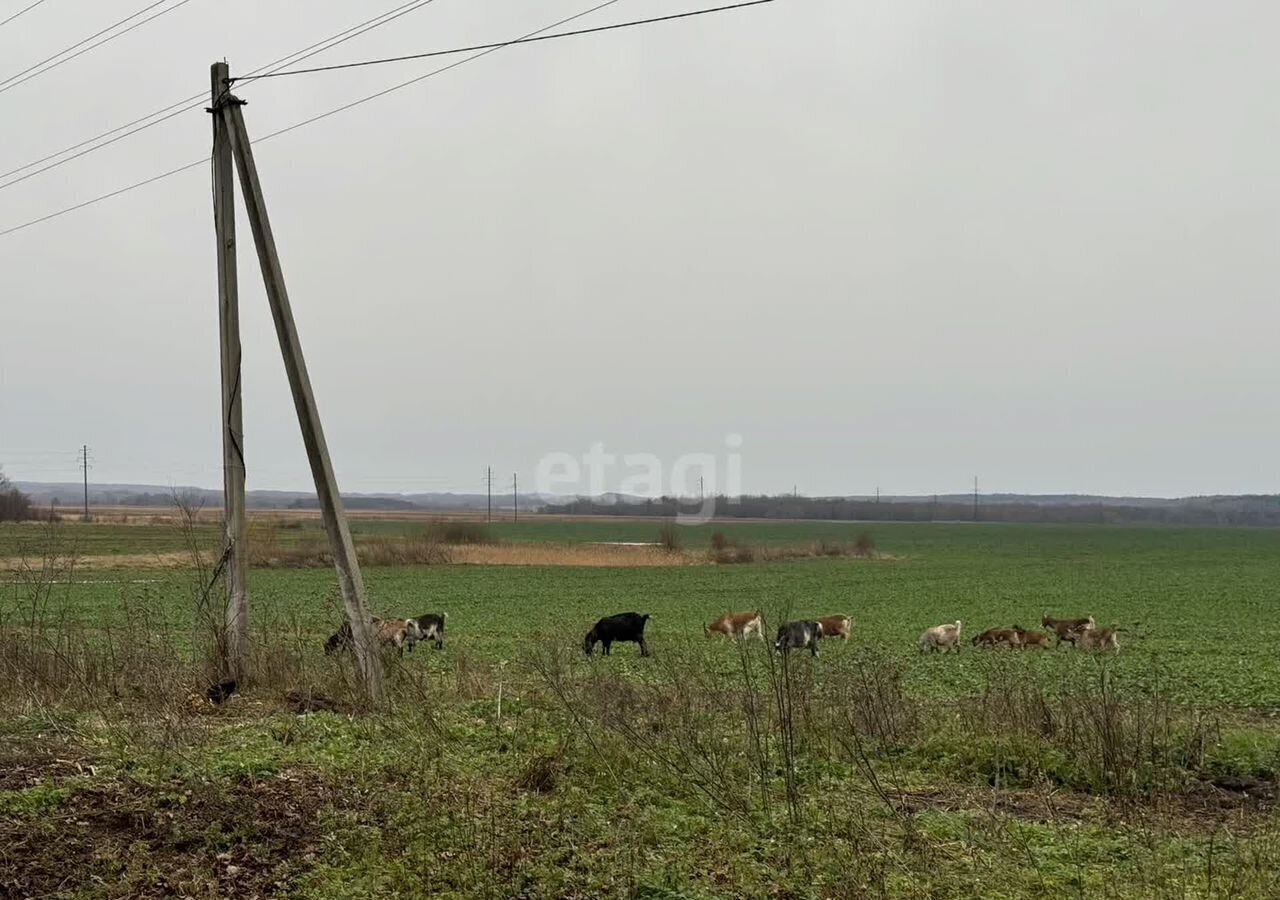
(889, 243)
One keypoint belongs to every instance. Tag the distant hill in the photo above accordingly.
(71, 494)
(1249, 509)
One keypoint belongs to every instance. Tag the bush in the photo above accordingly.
(15, 506)
(459, 533)
(865, 545)
(718, 541)
(669, 537)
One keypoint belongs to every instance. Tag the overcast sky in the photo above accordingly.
(889, 243)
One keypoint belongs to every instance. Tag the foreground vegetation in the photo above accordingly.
(510, 765)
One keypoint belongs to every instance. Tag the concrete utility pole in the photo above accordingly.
(488, 514)
(235, 644)
(335, 520)
(84, 465)
(515, 497)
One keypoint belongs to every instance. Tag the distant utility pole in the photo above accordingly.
(877, 493)
(700, 487)
(975, 498)
(515, 497)
(488, 515)
(795, 491)
(84, 465)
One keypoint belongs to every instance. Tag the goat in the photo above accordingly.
(1032, 638)
(836, 626)
(941, 638)
(431, 628)
(797, 636)
(992, 637)
(736, 625)
(1065, 629)
(388, 632)
(1093, 638)
(627, 626)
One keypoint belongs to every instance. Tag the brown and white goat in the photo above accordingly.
(993, 637)
(1093, 638)
(1066, 629)
(737, 625)
(836, 626)
(1038, 639)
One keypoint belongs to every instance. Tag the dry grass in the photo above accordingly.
(604, 555)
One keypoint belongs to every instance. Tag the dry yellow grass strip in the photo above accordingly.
(534, 554)
(174, 560)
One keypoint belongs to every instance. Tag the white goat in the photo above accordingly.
(941, 638)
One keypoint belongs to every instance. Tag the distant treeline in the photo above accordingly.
(1250, 510)
(15, 506)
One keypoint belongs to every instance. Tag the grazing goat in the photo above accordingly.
(941, 638)
(627, 626)
(389, 632)
(1093, 638)
(737, 625)
(430, 628)
(836, 626)
(797, 636)
(992, 637)
(1065, 629)
(1032, 638)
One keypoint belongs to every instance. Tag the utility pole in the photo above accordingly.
(877, 494)
(975, 498)
(368, 660)
(84, 465)
(235, 644)
(515, 497)
(488, 515)
(700, 488)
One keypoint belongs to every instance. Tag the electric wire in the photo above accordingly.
(527, 40)
(20, 12)
(197, 100)
(16, 79)
(204, 160)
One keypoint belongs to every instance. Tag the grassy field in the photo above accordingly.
(509, 765)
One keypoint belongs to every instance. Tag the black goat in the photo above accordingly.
(797, 636)
(622, 627)
(432, 627)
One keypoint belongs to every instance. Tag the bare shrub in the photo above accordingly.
(421, 550)
(449, 532)
(718, 541)
(865, 545)
(669, 537)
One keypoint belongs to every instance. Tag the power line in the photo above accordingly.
(20, 12)
(433, 72)
(288, 128)
(116, 193)
(16, 79)
(494, 46)
(197, 100)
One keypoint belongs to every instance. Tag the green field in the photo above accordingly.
(869, 771)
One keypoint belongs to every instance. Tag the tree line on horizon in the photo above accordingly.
(1260, 510)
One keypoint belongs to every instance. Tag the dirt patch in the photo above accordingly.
(252, 838)
(1202, 807)
(24, 764)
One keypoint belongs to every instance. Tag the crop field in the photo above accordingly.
(510, 765)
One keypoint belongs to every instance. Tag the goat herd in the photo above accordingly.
(628, 627)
